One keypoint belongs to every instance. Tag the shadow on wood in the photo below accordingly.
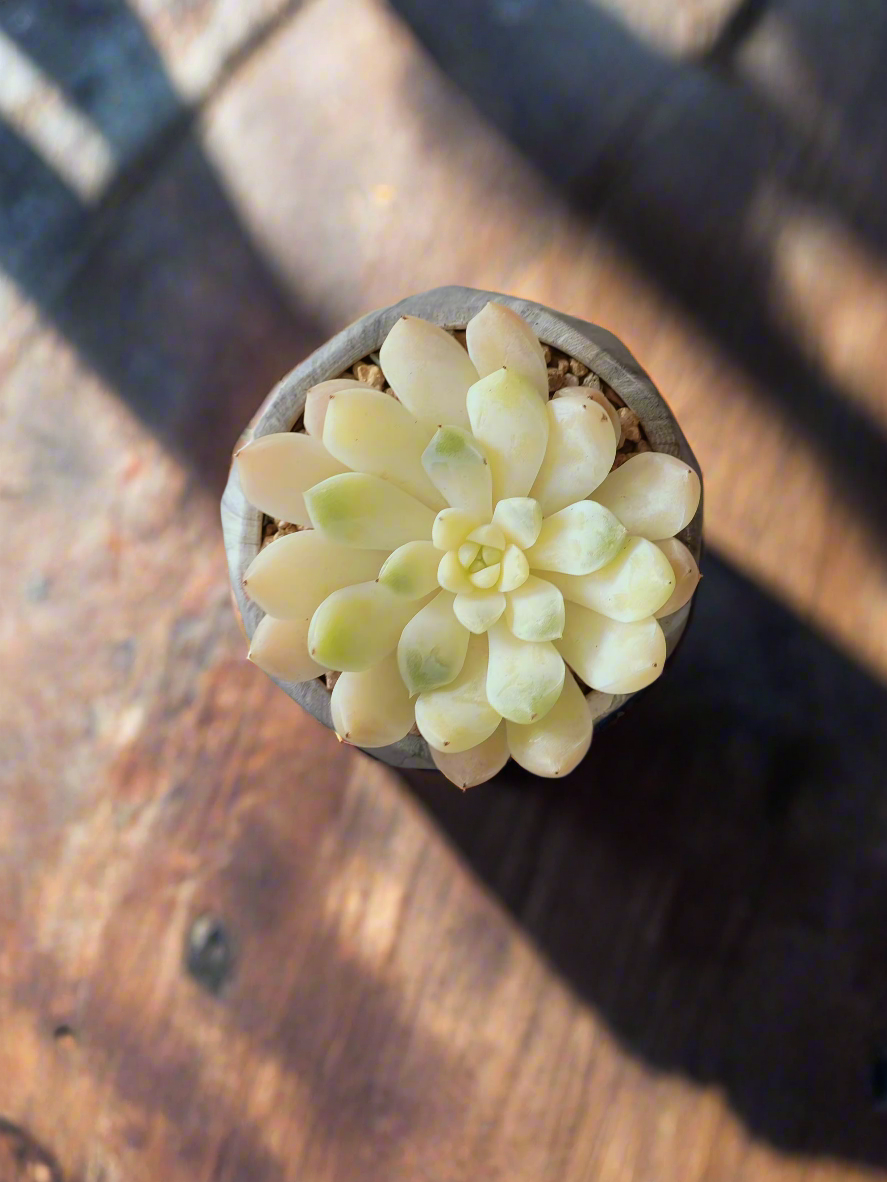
(692, 175)
(157, 284)
(712, 879)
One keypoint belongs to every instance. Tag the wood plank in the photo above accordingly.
(688, 29)
(495, 225)
(670, 966)
(84, 97)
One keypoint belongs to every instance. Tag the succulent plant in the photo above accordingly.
(471, 551)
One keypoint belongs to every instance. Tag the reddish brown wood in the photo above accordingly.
(656, 977)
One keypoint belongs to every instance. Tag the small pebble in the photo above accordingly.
(562, 365)
(643, 446)
(570, 379)
(630, 424)
(555, 380)
(612, 395)
(371, 374)
(331, 678)
(546, 353)
(592, 381)
(578, 368)
(621, 457)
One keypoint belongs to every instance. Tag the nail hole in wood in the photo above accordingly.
(209, 956)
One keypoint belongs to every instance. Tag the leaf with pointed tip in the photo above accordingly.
(371, 432)
(686, 574)
(293, 575)
(317, 401)
(372, 708)
(509, 419)
(476, 765)
(276, 470)
(580, 452)
(577, 540)
(633, 585)
(432, 649)
(654, 495)
(498, 338)
(357, 626)
(451, 528)
(411, 571)
(524, 680)
(429, 371)
(458, 716)
(554, 745)
(610, 656)
(459, 470)
(280, 647)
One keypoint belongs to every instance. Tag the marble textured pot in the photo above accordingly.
(450, 307)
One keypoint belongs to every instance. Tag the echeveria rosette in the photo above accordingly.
(469, 538)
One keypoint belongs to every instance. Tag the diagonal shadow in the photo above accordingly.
(676, 163)
(158, 286)
(817, 70)
(713, 879)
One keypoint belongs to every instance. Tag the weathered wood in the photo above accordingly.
(450, 307)
(670, 969)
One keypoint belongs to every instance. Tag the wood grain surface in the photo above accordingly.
(234, 949)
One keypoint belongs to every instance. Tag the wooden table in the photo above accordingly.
(233, 949)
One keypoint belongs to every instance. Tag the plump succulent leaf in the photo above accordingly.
(524, 679)
(280, 647)
(654, 495)
(580, 452)
(293, 575)
(276, 470)
(356, 509)
(610, 656)
(510, 420)
(577, 540)
(497, 337)
(411, 571)
(459, 716)
(633, 585)
(451, 528)
(520, 519)
(479, 610)
(535, 611)
(432, 647)
(372, 708)
(429, 371)
(515, 569)
(357, 626)
(369, 431)
(555, 744)
(686, 574)
(476, 765)
(458, 468)
(317, 401)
